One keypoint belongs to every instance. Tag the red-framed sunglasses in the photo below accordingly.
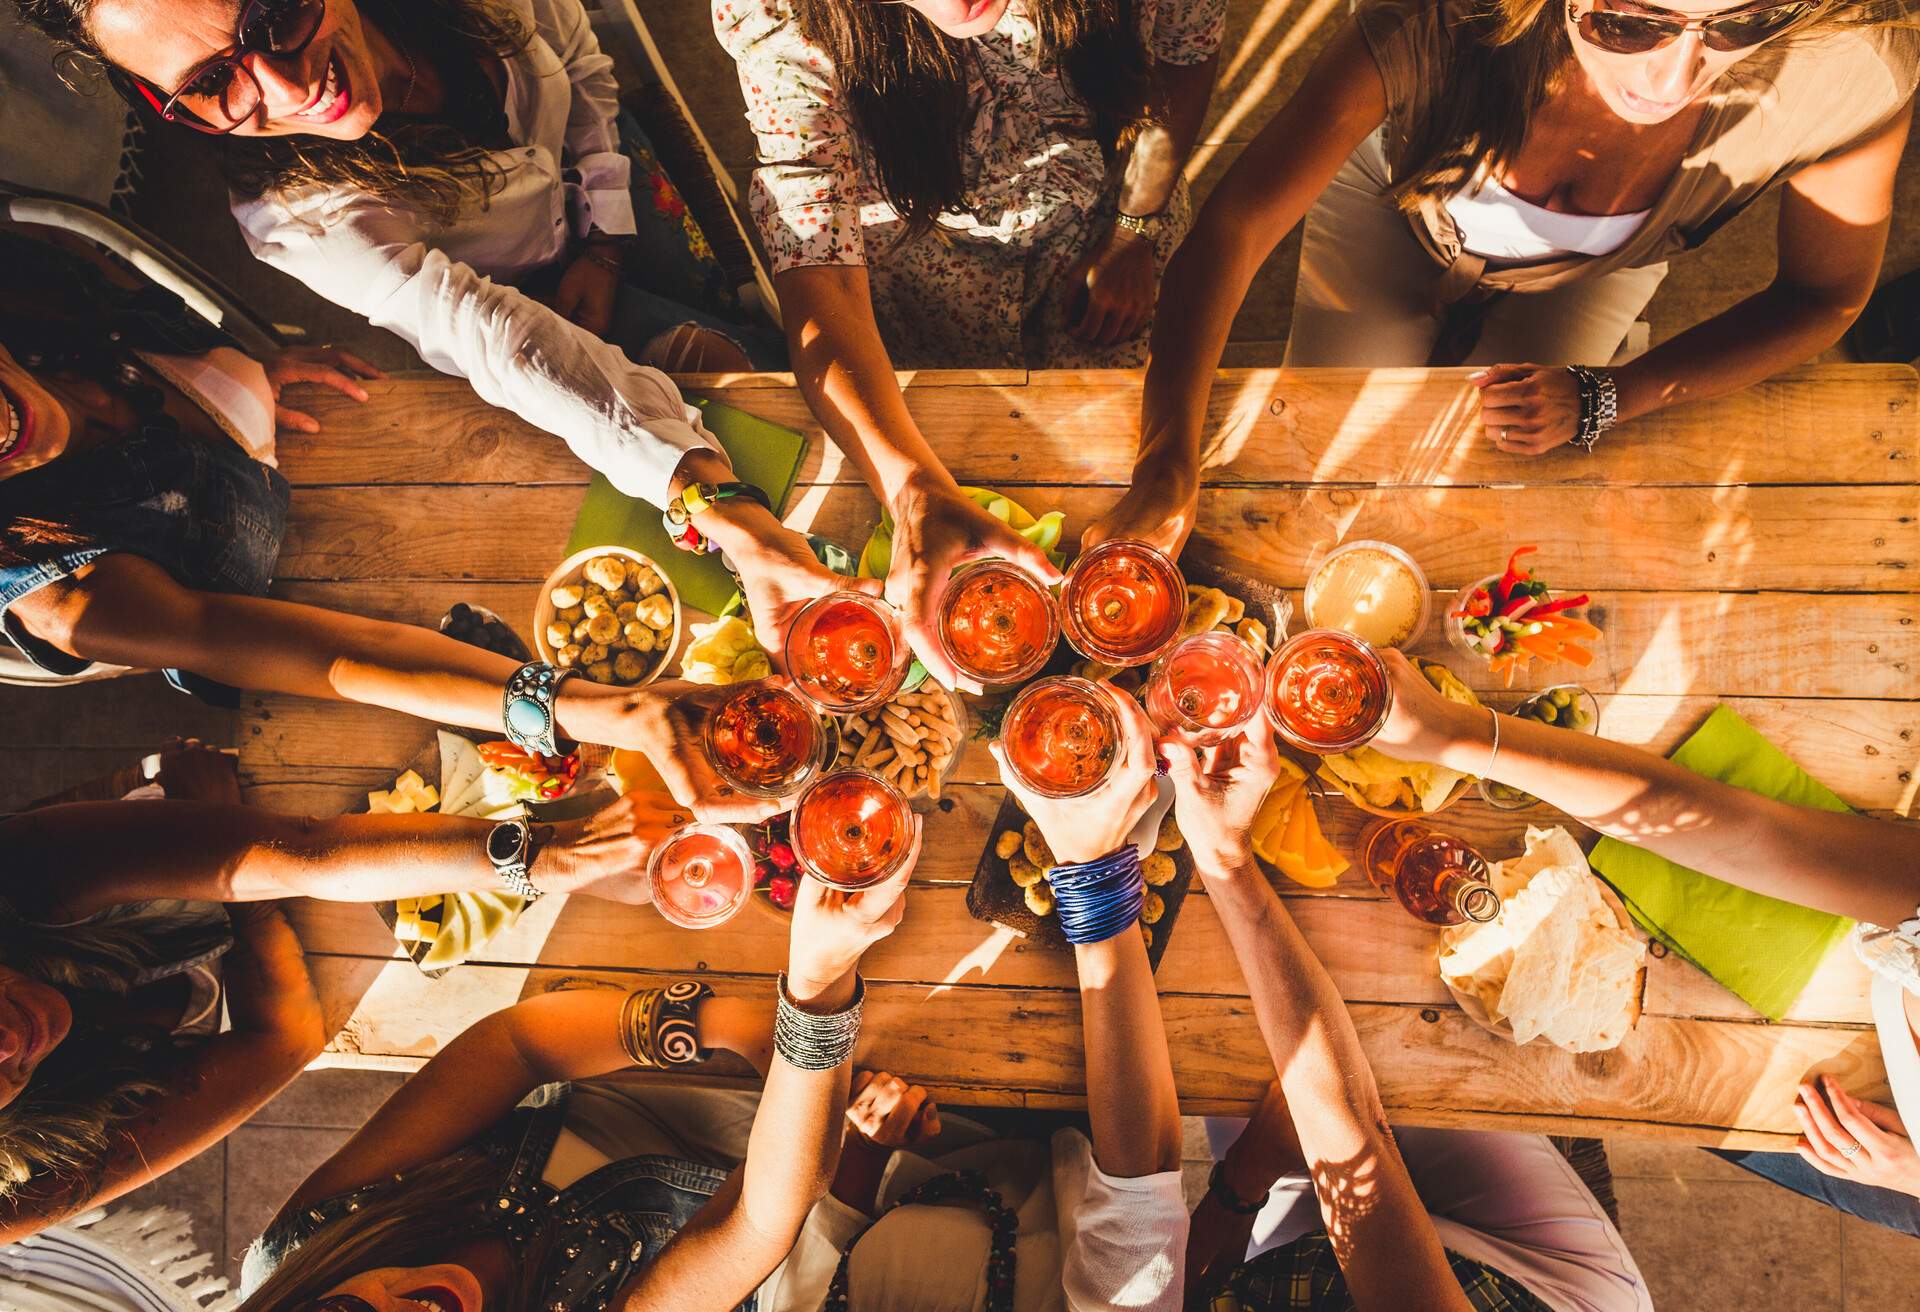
(222, 93)
(1624, 32)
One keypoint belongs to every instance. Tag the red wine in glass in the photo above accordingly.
(1327, 691)
(998, 624)
(1061, 736)
(845, 652)
(851, 829)
(764, 740)
(701, 876)
(1205, 689)
(1123, 602)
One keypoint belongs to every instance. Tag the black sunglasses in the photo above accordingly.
(222, 93)
(1622, 33)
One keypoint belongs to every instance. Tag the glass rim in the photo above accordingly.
(729, 837)
(808, 865)
(1364, 735)
(811, 766)
(881, 609)
(1050, 608)
(1092, 648)
(1187, 724)
(1095, 694)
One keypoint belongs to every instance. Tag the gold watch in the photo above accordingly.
(1146, 228)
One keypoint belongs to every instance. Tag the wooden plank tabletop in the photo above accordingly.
(1755, 550)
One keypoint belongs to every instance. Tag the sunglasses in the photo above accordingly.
(222, 93)
(1621, 33)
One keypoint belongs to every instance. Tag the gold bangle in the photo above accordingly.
(658, 1026)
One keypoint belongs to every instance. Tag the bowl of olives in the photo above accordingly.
(1564, 706)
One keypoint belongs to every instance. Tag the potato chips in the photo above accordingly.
(1557, 963)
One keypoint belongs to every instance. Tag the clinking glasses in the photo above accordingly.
(1622, 32)
(222, 93)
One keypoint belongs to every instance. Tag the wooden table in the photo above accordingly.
(1757, 550)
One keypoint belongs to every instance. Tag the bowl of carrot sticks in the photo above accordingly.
(1512, 619)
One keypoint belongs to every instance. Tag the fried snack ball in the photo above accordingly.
(1157, 869)
(640, 637)
(1169, 838)
(627, 612)
(559, 634)
(644, 581)
(1007, 844)
(1153, 908)
(582, 632)
(1036, 845)
(569, 655)
(594, 652)
(1146, 935)
(566, 596)
(600, 671)
(608, 571)
(629, 666)
(1040, 898)
(656, 611)
(596, 606)
(570, 614)
(603, 627)
(1023, 872)
(588, 588)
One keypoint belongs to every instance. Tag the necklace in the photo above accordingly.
(413, 73)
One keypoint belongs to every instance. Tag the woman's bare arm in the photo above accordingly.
(213, 1088)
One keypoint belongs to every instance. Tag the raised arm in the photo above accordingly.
(746, 1230)
(1261, 199)
(1850, 865)
(125, 610)
(109, 853)
(1382, 1235)
(209, 1090)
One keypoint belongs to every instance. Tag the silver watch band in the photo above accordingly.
(513, 867)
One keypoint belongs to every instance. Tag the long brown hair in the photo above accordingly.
(429, 166)
(416, 1220)
(904, 85)
(1506, 59)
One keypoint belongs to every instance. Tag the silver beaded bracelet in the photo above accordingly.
(809, 1041)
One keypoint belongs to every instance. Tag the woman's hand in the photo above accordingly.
(1832, 1121)
(1422, 724)
(888, 1112)
(938, 528)
(328, 366)
(1218, 794)
(832, 929)
(779, 578)
(587, 289)
(1119, 282)
(1160, 507)
(1528, 409)
(269, 990)
(1079, 829)
(666, 721)
(606, 854)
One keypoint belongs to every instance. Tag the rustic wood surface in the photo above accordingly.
(1755, 550)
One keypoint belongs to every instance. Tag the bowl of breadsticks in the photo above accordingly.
(912, 741)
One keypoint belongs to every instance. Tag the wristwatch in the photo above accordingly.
(1223, 1194)
(526, 707)
(510, 849)
(694, 498)
(1147, 227)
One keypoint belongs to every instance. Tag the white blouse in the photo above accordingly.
(1498, 225)
(1893, 955)
(433, 284)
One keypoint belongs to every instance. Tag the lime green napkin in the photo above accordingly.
(763, 454)
(1762, 949)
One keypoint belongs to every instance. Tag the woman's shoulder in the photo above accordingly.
(746, 26)
(1886, 55)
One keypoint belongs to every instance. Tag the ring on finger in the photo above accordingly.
(1851, 1151)
(1504, 432)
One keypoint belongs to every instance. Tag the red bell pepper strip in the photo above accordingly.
(1565, 603)
(1513, 574)
(1519, 606)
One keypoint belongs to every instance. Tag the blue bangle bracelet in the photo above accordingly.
(1099, 899)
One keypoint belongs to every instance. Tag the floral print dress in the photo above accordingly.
(987, 287)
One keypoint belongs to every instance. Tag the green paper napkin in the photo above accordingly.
(763, 454)
(1762, 949)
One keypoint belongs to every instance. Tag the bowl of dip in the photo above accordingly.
(1372, 590)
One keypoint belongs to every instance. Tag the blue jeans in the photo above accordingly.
(1887, 1207)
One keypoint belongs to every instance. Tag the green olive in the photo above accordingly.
(1560, 697)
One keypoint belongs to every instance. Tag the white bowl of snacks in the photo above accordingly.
(610, 613)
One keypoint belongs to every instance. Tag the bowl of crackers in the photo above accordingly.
(610, 613)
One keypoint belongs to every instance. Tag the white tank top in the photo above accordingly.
(1497, 225)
